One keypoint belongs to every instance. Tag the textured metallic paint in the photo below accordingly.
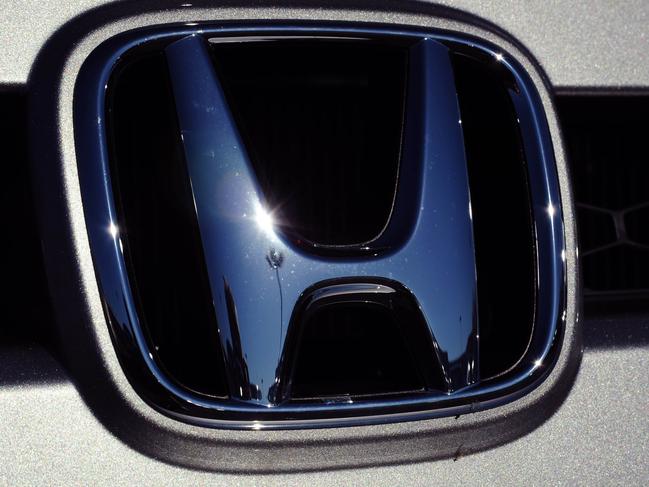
(583, 443)
(595, 45)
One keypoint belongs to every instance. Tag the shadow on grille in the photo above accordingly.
(25, 302)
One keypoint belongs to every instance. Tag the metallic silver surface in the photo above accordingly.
(583, 443)
(594, 44)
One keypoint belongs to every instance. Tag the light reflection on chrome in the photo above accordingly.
(264, 220)
(113, 230)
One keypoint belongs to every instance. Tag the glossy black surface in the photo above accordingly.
(257, 273)
(502, 215)
(158, 227)
(350, 337)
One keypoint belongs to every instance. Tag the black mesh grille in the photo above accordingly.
(606, 143)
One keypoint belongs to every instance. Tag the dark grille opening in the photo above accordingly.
(606, 144)
(322, 121)
(500, 202)
(25, 300)
(158, 226)
(353, 350)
